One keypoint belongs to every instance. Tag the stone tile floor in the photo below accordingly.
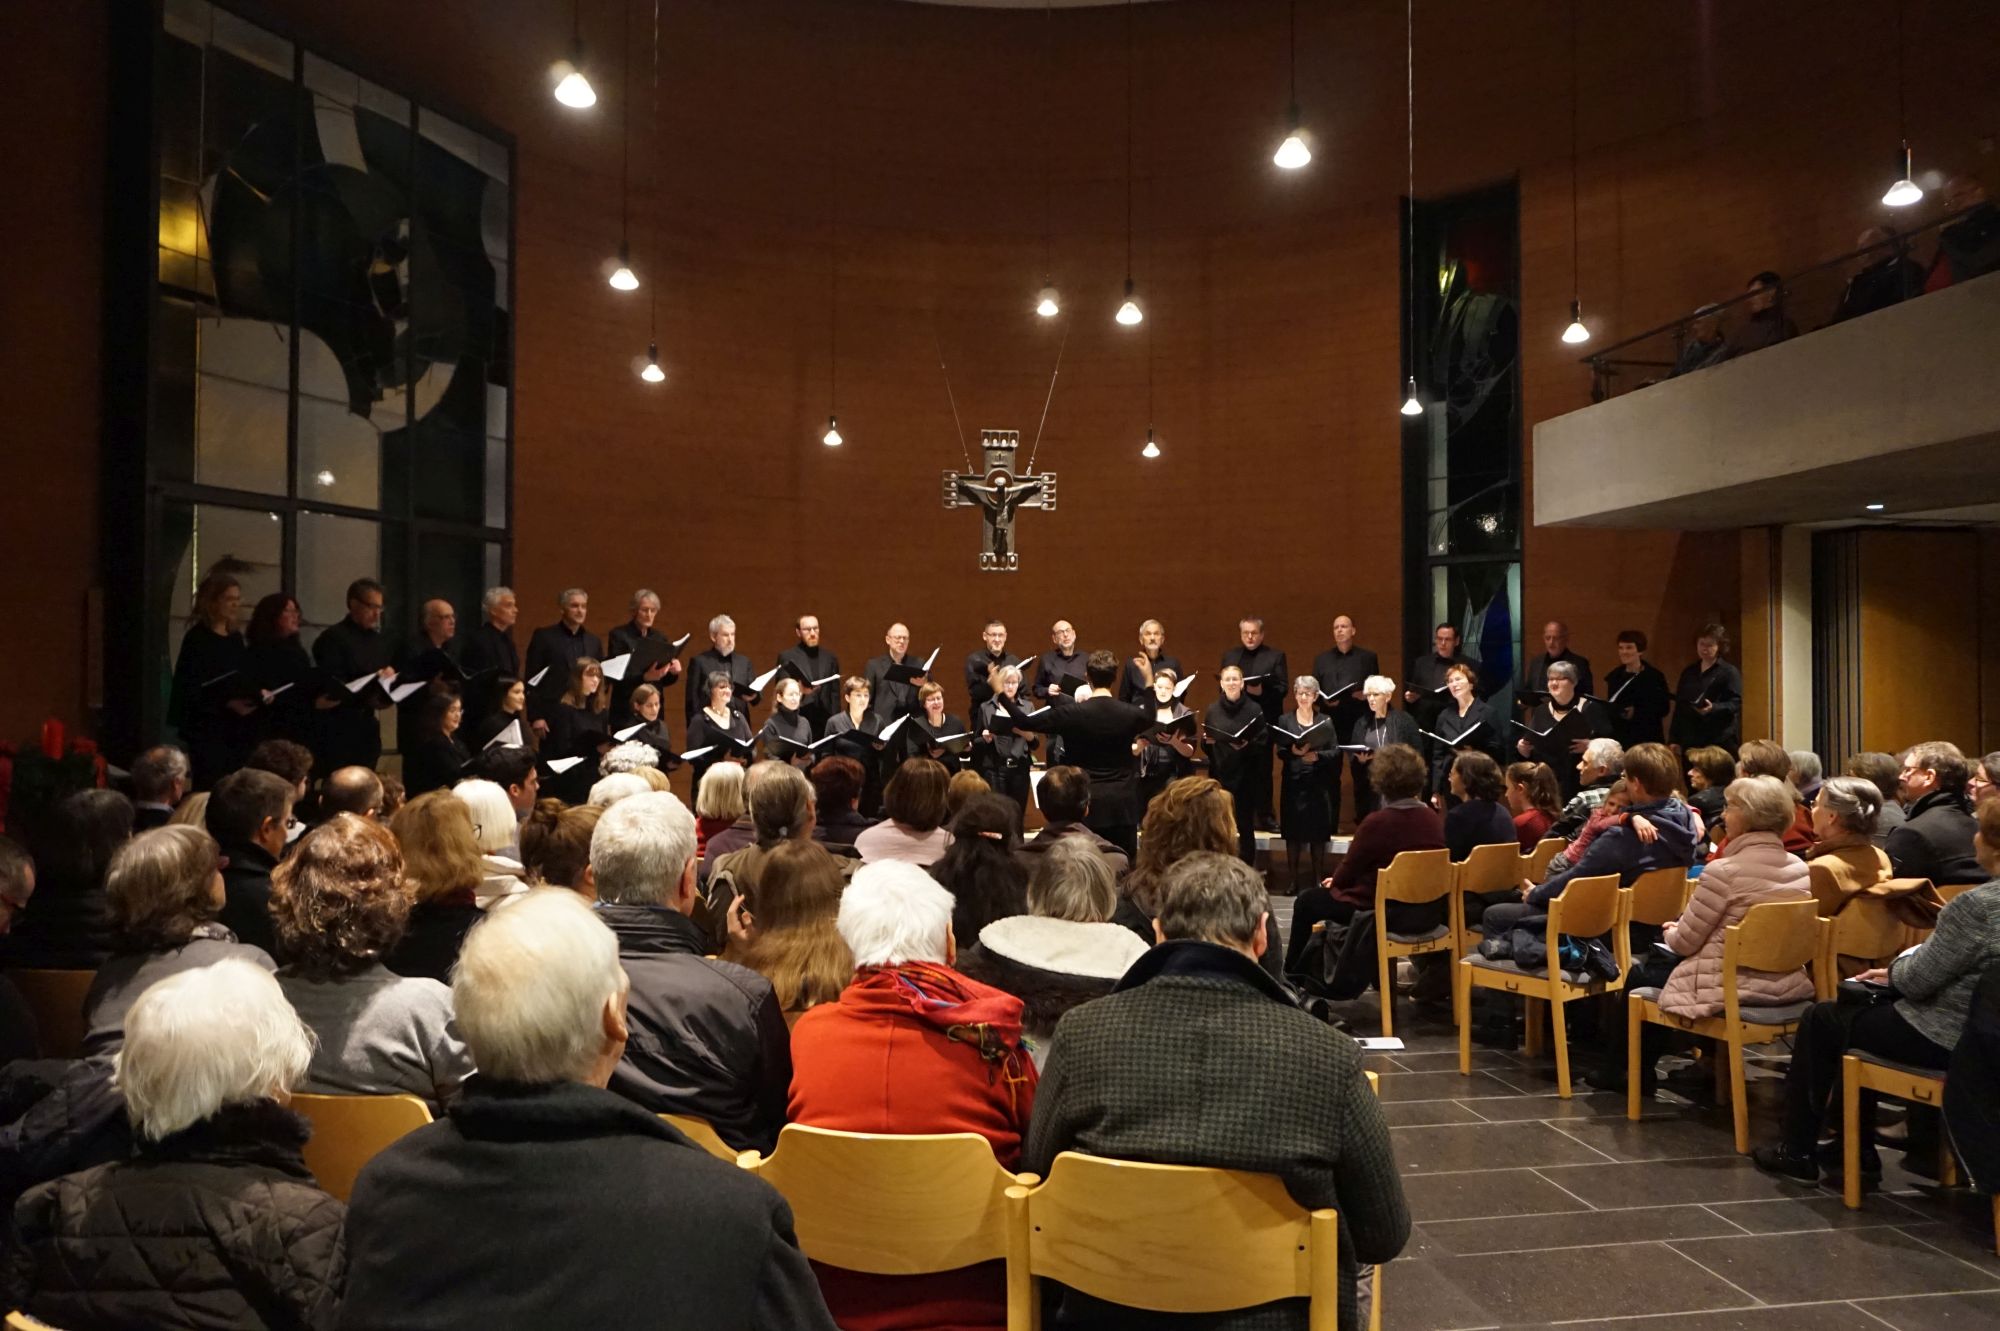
(1535, 1211)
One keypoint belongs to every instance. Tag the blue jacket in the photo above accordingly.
(1619, 850)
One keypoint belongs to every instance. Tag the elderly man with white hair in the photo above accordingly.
(216, 1220)
(723, 658)
(1602, 763)
(542, 1200)
(708, 1037)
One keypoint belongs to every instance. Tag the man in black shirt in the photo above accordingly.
(722, 657)
(1343, 669)
(1423, 691)
(556, 649)
(630, 637)
(813, 661)
(1267, 679)
(1097, 736)
(1060, 669)
(439, 633)
(490, 652)
(1137, 684)
(891, 698)
(350, 735)
(980, 666)
(1555, 647)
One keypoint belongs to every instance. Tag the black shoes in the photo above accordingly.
(1778, 1160)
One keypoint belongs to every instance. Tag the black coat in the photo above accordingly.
(350, 734)
(1097, 736)
(556, 649)
(1935, 841)
(218, 1225)
(1722, 725)
(436, 762)
(1640, 714)
(430, 945)
(246, 886)
(566, 1208)
(708, 1037)
(488, 654)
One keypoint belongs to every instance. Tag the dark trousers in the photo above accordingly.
(1364, 788)
(1500, 920)
(1829, 1031)
(1315, 904)
(1011, 781)
(1246, 818)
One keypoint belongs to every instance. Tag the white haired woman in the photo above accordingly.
(1375, 732)
(216, 1220)
(498, 832)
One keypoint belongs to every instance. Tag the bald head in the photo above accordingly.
(440, 621)
(354, 790)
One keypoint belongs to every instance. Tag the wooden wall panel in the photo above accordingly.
(1920, 658)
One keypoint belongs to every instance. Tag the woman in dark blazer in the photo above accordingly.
(1374, 732)
(436, 757)
(1465, 723)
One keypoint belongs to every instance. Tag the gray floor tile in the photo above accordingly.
(1576, 1229)
(1442, 1086)
(1845, 1264)
(1937, 1312)
(1797, 1317)
(1594, 1104)
(1457, 1147)
(1427, 1113)
(1535, 1288)
(1446, 1060)
(1499, 1192)
(1821, 1210)
(1418, 1296)
(1728, 1178)
(1678, 1138)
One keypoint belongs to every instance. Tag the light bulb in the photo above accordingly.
(572, 88)
(1293, 152)
(1046, 305)
(1906, 190)
(832, 437)
(1576, 332)
(1151, 450)
(622, 277)
(323, 478)
(1129, 313)
(1875, 508)
(652, 373)
(1412, 407)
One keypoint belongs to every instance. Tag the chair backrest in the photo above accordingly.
(1537, 860)
(56, 999)
(1946, 891)
(1416, 876)
(1175, 1238)
(891, 1205)
(1776, 936)
(1869, 929)
(1587, 907)
(1825, 887)
(1659, 895)
(1490, 869)
(20, 1321)
(350, 1130)
(699, 1131)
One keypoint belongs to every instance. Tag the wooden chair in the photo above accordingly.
(351, 1130)
(1946, 891)
(1487, 869)
(1415, 877)
(20, 1321)
(1867, 930)
(1175, 1239)
(1660, 895)
(897, 1205)
(56, 999)
(1535, 864)
(1778, 936)
(1925, 1086)
(698, 1131)
(1587, 908)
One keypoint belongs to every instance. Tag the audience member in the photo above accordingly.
(912, 1046)
(709, 1038)
(1885, 772)
(1193, 814)
(247, 813)
(159, 782)
(498, 835)
(1402, 822)
(555, 846)
(1767, 757)
(607, 791)
(630, 756)
(1983, 780)
(1766, 324)
(743, 831)
(781, 810)
(912, 829)
(837, 783)
(1535, 801)
(1065, 950)
(165, 889)
(1807, 773)
(512, 769)
(1969, 247)
(192, 811)
(1282, 1092)
(1479, 818)
(718, 803)
(1884, 275)
(443, 868)
(68, 927)
(1933, 984)
(1608, 814)
(216, 1220)
(393, 797)
(1705, 344)
(1602, 761)
(1710, 769)
(537, 1135)
(1063, 796)
(786, 927)
(1935, 840)
(355, 790)
(339, 907)
(1844, 814)
(19, 1036)
(283, 758)
(980, 869)
(964, 784)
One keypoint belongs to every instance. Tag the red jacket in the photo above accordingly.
(909, 1049)
(1381, 837)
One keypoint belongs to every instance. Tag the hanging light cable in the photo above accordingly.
(622, 277)
(1411, 405)
(1129, 313)
(1294, 152)
(572, 87)
(1152, 448)
(1047, 302)
(1576, 332)
(832, 437)
(651, 371)
(1905, 191)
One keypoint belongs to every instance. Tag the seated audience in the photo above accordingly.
(630, 756)
(338, 906)
(1766, 757)
(607, 791)
(718, 803)
(912, 1046)
(912, 828)
(1807, 773)
(1705, 344)
(1933, 985)
(355, 790)
(1063, 796)
(191, 811)
(19, 1036)
(499, 837)
(1402, 821)
(1844, 814)
(1535, 801)
(708, 1037)
(743, 831)
(393, 797)
(1969, 247)
(511, 768)
(784, 929)
(1608, 814)
(1885, 772)
(160, 778)
(1710, 769)
(1282, 1092)
(964, 784)
(980, 869)
(555, 846)
(1884, 275)
(1935, 840)
(439, 1232)
(443, 869)
(247, 814)
(1191, 815)
(837, 783)
(69, 926)
(1065, 950)
(215, 1220)
(1602, 761)
(165, 888)
(781, 810)
(286, 760)
(1479, 818)
(435, 756)
(1984, 779)
(1766, 324)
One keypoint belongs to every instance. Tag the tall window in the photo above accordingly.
(1462, 456)
(310, 375)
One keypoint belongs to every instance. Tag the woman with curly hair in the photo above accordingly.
(338, 907)
(443, 870)
(1192, 814)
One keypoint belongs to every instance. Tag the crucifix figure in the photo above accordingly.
(999, 494)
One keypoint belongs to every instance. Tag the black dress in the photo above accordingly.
(495, 722)
(435, 762)
(861, 745)
(1160, 765)
(574, 732)
(651, 733)
(218, 739)
(1238, 769)
(1005, 760)
(1585, 720)
(1639, 703)
(1476, 729)
(1720, 685)
(703, 732)
(276, 665)
(350, 733)
(1305, 806)
(784, 725)
(919, 733)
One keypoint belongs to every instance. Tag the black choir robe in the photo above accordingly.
(918, 734)
(1161, 764)
(651, 733)
(978, 669)
(218, 739)
(557, 648)
(1584, 720)
(735, 665)
(1305, 804)
(435, 762)
(704, 732)
(1097, 736)
(1639, 712)
(1721, 685)
(350, 734)
(1536, 681)
(1426, 680)
(888, 698)
(787, 725)
(629, 637)
(1267, 661)
(1052, 667)
(1335, 669)
(273, 665)
(1233, 762)
(488, 655)
(575, 732)
(415, 662)
(1006, 759)
(495, 722)
(1476, 729)
(1133, 689)
(818, 704)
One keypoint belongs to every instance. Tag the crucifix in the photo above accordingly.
(999, 494)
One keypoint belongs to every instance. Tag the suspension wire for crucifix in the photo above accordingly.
(1035, 448)
(950, 397)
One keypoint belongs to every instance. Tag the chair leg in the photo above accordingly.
(1850, 1132)
(1720, 1067)
(1947, 1162)
(1739, 1104)
(1375, 1304)
(1635, 1028)
(1531, 1016)
(1462, 998)
(1562, 1046)
(1385, 984)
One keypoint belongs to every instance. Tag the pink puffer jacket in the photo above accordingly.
(1753, 869)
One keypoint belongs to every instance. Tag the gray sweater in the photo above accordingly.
(1937, 979)
(380, 1034)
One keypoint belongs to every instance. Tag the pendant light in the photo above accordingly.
(1294, 152)
(1905, 191)
(650, 370)
(1412, 406)
(1129, 313)
(1047, 303)
(1152, 448)
(622, 277)
(652, 373)
(832, 438)
(572, 87)
(1576, 333)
